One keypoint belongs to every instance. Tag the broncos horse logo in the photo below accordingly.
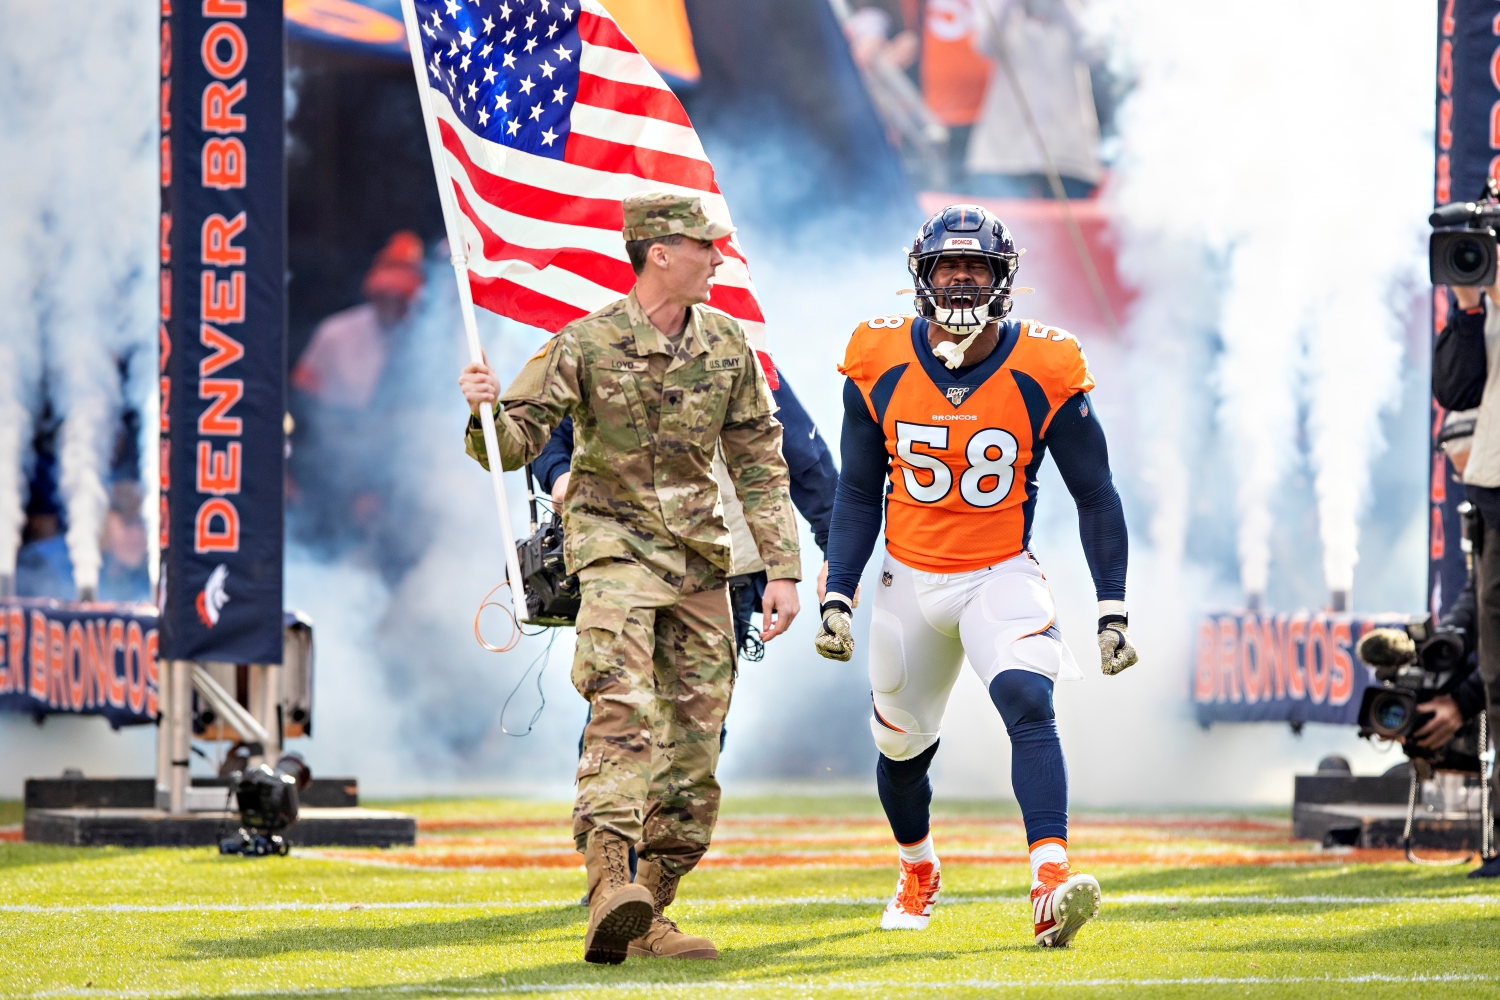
(213, 597)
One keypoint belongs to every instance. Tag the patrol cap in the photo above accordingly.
(652, 214)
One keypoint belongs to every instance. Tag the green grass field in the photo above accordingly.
(486, 905)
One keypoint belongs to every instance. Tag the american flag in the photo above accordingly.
(548, 117)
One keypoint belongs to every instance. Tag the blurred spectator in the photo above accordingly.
(342, 480)
(1042, 41)
(953, 74)
(346, 356)
(875, 27)
(124, 575)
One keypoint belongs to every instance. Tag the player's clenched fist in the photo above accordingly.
(1115, 651)
(835, 640)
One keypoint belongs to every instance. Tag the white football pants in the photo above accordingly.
(923, 625)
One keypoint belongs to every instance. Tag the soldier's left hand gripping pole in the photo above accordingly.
(466, 301)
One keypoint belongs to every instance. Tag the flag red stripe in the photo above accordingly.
(505, 297)
(737, 302)
(648, 164)
(596, 267)
(533, 202)
(604, 32)
(631, 99)
(773, 377)
(725, 247)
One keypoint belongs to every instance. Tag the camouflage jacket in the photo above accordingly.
(647, 412)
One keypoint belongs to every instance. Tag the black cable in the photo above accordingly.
(753, 649)
(544, 658)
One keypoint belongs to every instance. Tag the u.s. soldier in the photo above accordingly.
(655, 383)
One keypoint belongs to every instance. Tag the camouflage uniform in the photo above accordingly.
(642, 518)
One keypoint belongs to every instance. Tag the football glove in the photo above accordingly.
(1115, 651)
(835, 640)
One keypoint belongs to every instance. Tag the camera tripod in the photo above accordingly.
(1486, 811)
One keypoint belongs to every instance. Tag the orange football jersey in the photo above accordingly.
(963, 451)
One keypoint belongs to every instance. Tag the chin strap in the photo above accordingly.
(952, 355)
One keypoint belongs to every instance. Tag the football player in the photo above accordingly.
(947, 415)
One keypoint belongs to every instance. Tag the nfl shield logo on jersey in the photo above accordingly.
(956, 394)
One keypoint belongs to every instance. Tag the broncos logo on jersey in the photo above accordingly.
(964, 449)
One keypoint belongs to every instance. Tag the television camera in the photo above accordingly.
(552, 594)
(1412, 666)
(1462, 249)
(268, 804)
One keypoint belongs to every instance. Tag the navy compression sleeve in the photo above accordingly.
(1076, 440)
(814, 476)
(855, 525)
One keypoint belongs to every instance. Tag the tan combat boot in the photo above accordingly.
(664, 940)
(619, 911)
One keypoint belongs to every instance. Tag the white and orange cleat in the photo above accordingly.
(916, 890)
(1063, 902)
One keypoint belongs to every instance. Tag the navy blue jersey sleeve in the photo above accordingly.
(1076, 440)
(855, 526)
(813, 474)
(556, 457)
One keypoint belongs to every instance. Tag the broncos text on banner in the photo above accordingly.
(98, 661)
(1281, 668)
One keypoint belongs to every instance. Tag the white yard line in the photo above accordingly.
(1128, 899)
(698, 987)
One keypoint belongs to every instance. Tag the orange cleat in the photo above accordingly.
(1062, 904)
(916, 890)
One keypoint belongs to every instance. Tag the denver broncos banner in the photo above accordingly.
(223, 315)
(1281, 668)
(1467, 141)
(99, 661)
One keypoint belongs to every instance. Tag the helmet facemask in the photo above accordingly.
(963, 310)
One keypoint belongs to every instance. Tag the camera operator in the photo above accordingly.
(1466, 377)
(655, 383)
(1464, 697)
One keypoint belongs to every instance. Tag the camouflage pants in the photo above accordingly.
(655, 659)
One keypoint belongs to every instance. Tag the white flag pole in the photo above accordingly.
(460, 260)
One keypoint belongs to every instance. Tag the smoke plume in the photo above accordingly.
(1313, 213)
(22, 180)
(78, 172)
(18, 383)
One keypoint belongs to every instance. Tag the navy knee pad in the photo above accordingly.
(1022, 696)
(906, 794)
